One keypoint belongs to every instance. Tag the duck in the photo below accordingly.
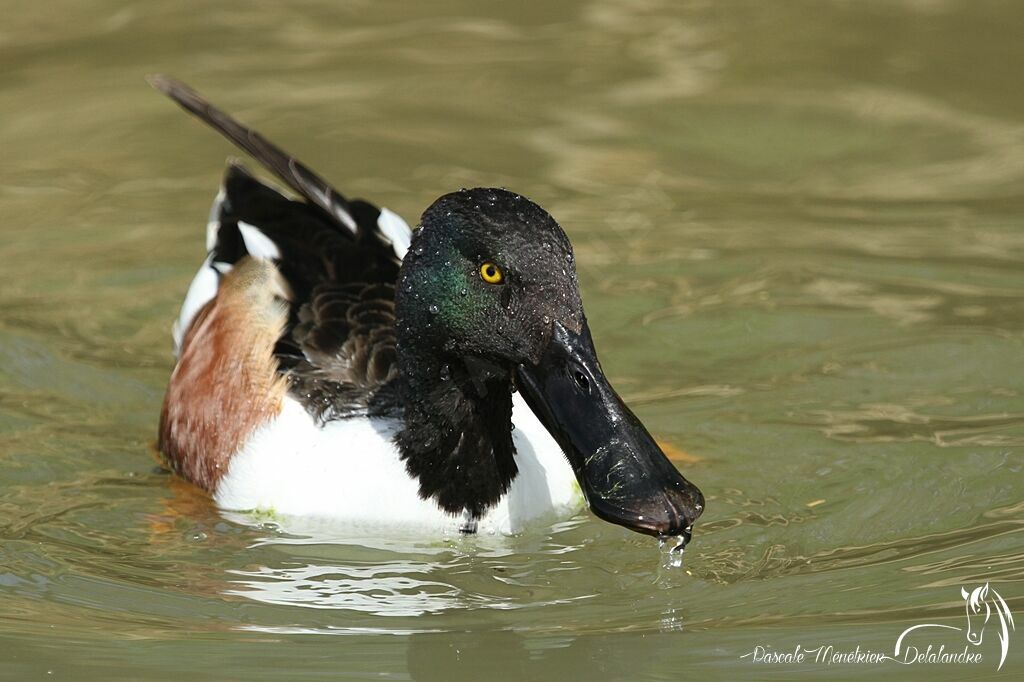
(332, 363)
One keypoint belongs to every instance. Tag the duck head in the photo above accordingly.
(488, 302)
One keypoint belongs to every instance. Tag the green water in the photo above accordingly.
(799, 233)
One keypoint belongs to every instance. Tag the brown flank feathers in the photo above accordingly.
(226, 383)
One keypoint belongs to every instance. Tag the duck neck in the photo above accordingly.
(456, 438)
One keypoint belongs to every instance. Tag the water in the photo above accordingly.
(798, 232)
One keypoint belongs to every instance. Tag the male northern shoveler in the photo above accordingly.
(333, 363)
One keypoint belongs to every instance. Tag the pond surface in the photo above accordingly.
(800, 235)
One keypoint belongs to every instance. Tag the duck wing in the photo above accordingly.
(338, 257)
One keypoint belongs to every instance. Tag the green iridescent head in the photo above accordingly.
(487, 273)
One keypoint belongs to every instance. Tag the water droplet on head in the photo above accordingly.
(463, 292)
(547, 319)
(418, 250)
(434, 310)
(446, 373)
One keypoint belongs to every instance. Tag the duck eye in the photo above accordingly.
(491, 273)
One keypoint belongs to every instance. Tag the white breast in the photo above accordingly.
(349, 472)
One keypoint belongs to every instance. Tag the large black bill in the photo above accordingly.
(624, 474)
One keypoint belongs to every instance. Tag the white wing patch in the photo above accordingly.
(200, 292)
(397, 230)
(258, 244)
(207, 280)
(213, 222)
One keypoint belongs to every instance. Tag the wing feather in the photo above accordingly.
(339, 258)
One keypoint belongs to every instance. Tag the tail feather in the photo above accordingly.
(292, 171)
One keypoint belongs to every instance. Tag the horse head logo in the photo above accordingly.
(975, 604)
(980, 603)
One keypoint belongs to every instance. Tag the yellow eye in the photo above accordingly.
(491, 273)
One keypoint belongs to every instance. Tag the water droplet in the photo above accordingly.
(463, 292)
(197, 536)
(676, 546)
(418, 250)
(434, 310)
(547, 246)
(568, 258)
(547, 319)
(446, 373)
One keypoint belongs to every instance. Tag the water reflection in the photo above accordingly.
(737, 563)
(384, 574)
(384, 589)
(883, 423)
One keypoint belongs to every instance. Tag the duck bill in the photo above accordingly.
(625, 476)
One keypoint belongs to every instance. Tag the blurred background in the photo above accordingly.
(798, 228)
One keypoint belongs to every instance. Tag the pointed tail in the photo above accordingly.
(285, 166)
